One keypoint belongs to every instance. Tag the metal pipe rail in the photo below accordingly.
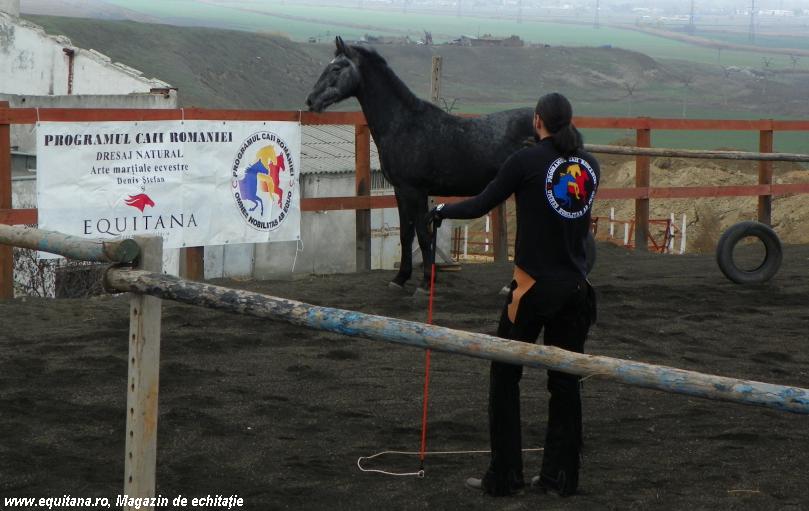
(73, 247)
(357, 324)
(694, 153)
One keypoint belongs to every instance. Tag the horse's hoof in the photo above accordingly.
(394, 285)
(421, 291)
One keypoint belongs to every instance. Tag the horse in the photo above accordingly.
(423, 150)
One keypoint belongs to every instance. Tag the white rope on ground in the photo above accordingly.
(298, 250)
(420, 473)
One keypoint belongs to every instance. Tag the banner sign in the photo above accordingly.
(195, 183)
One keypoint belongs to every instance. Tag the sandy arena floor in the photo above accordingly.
(279, 414)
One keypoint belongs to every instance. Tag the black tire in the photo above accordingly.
(590, 251)
(772, 259)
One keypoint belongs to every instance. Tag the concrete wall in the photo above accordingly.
(23, 192)
(34, 62)
(327, 240)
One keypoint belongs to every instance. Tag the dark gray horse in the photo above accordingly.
(422, 149)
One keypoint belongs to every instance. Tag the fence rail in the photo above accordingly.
(363, 202)
(74, 247)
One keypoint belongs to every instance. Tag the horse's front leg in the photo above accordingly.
(408, 209)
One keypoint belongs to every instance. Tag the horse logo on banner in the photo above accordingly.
(263, 189)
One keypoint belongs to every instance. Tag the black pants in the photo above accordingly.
(565, 310)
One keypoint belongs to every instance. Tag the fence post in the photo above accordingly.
(500, 233)
(6, 252)
(435, 80)
(362, 163)
(140, 461)
(612, 223)
(643, 139)
(765, 145)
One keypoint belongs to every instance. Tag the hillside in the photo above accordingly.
(232, 69)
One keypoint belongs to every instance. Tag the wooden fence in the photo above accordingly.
(363, 202)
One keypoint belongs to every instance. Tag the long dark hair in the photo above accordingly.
(557, 114)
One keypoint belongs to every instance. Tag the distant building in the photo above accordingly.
(385, 39)
(487, 40)
(776, 12)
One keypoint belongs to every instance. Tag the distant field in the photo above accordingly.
(789, 142)
(301, 22)
(770, 41)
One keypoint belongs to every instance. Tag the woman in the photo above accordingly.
(554, 183)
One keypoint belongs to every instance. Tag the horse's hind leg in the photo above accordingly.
(424, 243)
(408, 210)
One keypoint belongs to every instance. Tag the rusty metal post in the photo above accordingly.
(362, 163)
(765, 145)
(140, 457)
(642, 165)
(6, 252)
(192, 260)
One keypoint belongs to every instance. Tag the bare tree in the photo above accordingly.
(794, 59)
(766, 62)
(33, 276)
(726, 71)
(630, 88)
(448, 107)
(687, 80)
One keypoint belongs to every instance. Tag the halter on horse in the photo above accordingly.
(423, 150)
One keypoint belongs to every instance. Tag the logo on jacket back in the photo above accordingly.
(570, 185)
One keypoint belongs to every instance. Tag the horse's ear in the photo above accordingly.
(342, 49)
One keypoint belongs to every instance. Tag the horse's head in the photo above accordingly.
(339, 80)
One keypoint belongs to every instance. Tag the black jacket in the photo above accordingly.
(554, 197)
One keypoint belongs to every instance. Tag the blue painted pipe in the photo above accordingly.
(411, 333)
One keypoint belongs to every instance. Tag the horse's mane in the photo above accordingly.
(398, 87)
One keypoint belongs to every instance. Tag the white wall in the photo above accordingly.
(35, 63)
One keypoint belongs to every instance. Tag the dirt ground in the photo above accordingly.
(278, 414)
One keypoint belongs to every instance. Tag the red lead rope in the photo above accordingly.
(423, 450)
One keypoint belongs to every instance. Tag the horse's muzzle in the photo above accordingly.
(311, 106)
